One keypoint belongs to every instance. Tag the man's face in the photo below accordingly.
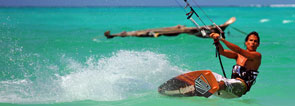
(252, 43)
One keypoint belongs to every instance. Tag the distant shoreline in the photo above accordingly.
(28, 6)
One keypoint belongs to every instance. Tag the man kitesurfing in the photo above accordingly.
(205, 82)
(245, 72)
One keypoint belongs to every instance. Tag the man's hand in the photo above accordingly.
(214, 35)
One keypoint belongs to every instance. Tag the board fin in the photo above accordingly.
(196, 83)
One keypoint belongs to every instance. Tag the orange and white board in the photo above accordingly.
(196, 83)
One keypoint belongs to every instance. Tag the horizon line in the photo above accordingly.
(99, 6)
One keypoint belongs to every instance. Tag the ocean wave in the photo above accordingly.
(287, 21)
(264, 20)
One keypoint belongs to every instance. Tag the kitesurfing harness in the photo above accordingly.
(189, 16)
(249, 76)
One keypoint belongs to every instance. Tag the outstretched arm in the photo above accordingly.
(236, 48)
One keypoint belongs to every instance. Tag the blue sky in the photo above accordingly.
(137, 2)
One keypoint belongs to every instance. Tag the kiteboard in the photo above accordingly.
(196, 83)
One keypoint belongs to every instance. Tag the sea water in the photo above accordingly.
(59, 56)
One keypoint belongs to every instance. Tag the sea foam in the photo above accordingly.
(264, 20)
(286, 21)
(124, 74)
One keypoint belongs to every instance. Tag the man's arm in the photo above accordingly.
(227, 53)
(237, 49)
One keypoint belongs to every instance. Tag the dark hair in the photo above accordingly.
(253, 33)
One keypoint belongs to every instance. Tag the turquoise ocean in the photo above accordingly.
(60, 57)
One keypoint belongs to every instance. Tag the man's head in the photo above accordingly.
(252, 41)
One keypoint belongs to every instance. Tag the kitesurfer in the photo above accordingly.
(245, 72)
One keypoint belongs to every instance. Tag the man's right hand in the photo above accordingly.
(214, 35)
